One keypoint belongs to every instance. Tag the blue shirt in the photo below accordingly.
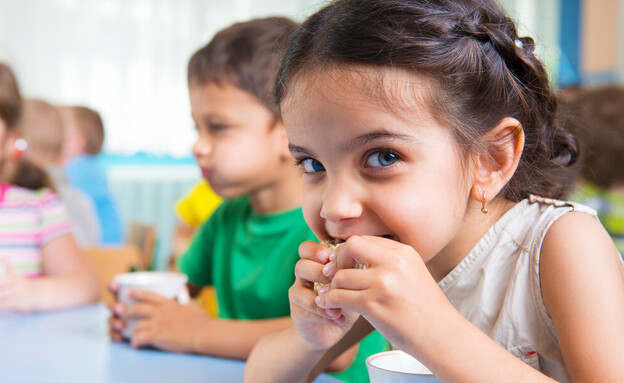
(85, 174)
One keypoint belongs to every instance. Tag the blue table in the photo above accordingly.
(73, 346)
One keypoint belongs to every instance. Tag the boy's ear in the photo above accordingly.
(495, 167)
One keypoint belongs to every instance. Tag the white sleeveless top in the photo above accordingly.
(497, 285)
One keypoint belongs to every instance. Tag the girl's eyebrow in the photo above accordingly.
(380, 134)
(361, 140)
(297, 149)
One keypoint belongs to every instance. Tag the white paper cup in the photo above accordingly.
(169, 284)
(397, 367)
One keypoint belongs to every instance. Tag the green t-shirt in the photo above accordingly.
(609, 205)
(250, 260)
(248, 257)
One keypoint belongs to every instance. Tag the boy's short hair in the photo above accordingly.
(601, 116)
(247, 55)
(43, 130)
(89, 122)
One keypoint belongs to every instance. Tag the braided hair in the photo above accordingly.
(480, 70)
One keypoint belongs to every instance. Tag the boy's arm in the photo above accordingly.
(170, 326)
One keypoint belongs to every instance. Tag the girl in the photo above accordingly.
(41, 266)
(425, 129)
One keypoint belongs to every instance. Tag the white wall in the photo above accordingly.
(125, 58)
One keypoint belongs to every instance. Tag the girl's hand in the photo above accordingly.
(164, 323)
(14, 290)
(395, 293)
(320, 328)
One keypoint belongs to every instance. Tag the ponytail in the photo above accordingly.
(30, 176)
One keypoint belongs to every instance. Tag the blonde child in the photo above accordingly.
(425, 129)
(42, 129)
(247, 249)
(41, 266)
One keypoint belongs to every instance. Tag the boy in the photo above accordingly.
(249, 246)
(84, 137)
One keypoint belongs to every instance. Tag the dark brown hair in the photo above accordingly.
(22, 173)
(479, 70)
(89, 123)
(246, 55)
(601, 117)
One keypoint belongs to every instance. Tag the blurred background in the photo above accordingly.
(127, 59)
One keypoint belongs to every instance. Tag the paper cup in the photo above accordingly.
(397, 367)
(169, 284)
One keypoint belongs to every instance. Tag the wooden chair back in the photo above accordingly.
(112, 260)
(143, 236)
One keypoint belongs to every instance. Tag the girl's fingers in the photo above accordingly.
(346, 299)
(304, 299)
(310, 271)
(314, 251)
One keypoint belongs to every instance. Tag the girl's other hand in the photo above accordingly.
(395, 292)
(14, 290)
(320, 328)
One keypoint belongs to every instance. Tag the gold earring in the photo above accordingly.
(484, 209)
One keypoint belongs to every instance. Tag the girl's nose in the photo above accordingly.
(341, 202)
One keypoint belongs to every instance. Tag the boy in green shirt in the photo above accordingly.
(248, 248)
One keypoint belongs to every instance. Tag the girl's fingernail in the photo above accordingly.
(323, 255)
(318, 302)
(323, 289)
(332, 313)
(328, 269)
(332, 256)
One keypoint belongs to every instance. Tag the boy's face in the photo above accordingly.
(73, 141)
(371, 171)
(238, 149)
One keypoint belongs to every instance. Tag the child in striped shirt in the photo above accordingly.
(41, 266)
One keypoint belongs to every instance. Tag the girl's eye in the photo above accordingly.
(310, 165)
(381, 158)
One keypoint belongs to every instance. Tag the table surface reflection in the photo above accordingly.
(73, 346)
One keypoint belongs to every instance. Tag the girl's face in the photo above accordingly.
(373, 171)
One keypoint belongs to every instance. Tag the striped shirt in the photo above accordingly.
(28, 221)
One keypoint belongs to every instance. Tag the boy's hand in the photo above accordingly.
(116, 323)
(164, 323)
(321, 328)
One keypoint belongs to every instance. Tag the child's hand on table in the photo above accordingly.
(14, 290)
(163, 323)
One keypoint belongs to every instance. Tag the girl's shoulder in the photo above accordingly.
(14, 196)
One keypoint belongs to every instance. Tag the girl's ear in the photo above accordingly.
(495, 167)
(14, 146)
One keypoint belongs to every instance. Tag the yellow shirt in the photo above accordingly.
(198, 204)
